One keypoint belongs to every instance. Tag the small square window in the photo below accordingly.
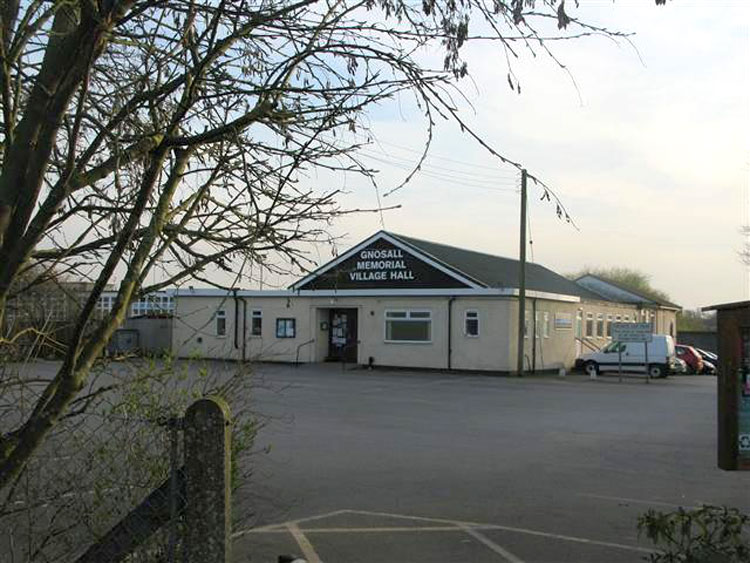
(471, 323)
(286, 328)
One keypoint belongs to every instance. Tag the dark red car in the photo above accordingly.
(690, 356)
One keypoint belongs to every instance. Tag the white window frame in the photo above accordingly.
(221, 314)
(586, 332)
(474, 317)
(407, 317)
(600, 325)
(608, 328)
(256, 314)
(526, 324)
(294, 327)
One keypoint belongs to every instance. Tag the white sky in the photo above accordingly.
(650, 154)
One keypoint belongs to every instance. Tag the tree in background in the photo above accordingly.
(177, 135)
(696, 321)
(628, 278)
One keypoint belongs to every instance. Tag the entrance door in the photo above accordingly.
(342, 335)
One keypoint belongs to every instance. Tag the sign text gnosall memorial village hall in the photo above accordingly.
(381, 265)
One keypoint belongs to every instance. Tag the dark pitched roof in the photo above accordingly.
(727, 306)
(497, 271)
(641, 297)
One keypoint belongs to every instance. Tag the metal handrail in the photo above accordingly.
(587, 344)
(296, 358)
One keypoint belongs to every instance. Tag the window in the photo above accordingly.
(589, 325)
(221, 323)
(256, 323)
(286, 328)
(600, 325)
(609, 326)
(613, 348)
(471, 323)
(545, 324)
(526, 325)
(626, 318)
(408, 326)
(564, 321)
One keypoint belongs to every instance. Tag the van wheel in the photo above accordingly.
(656, 371)
(591, 368)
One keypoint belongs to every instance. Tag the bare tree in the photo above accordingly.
(180, 133)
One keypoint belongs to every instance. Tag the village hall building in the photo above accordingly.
(398, 301)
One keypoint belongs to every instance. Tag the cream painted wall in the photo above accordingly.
(371, 330)
(494, 349)
(553, 352)
(194, 328)
(490, 350)
(195, 334)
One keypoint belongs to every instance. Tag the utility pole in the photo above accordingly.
(522, 279)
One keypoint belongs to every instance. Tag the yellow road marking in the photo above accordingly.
(447, 526)
(500, 550)
(304, 544)
(422, 518)
(381, 530)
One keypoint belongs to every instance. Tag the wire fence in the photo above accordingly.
(109, 481)
(87, 478)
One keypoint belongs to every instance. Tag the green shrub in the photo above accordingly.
(710, 534)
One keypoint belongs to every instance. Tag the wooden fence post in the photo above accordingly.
(207, 482)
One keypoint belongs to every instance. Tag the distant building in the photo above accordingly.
(611, 291)
(156, 304)
(53, 301)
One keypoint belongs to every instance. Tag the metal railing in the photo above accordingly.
(299, 347)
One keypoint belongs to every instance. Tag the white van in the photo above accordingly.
(661, 357)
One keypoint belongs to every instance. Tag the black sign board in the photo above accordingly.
(382, 265)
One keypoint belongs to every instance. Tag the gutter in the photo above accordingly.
(534, 335)
(244, 328)
(450, 335)
(236, 316)
(237, 301)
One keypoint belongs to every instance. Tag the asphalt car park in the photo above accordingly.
(373, 466)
